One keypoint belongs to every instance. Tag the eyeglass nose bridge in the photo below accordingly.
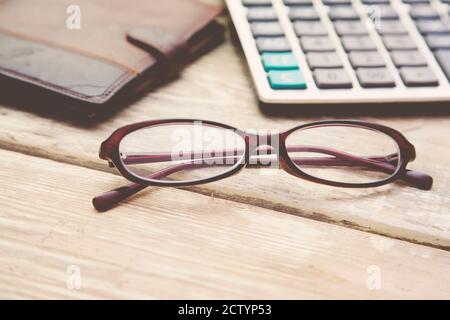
(263, 149)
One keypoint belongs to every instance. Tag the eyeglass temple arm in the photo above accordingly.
(415, 178)
(107, 200)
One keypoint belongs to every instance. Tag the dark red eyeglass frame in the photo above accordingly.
(109, 151)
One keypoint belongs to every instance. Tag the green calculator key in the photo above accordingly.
(279, 61)
(288, 79)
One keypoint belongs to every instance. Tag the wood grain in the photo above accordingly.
(218, 87)
(172, 243)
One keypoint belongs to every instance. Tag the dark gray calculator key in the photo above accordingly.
(266, 29)
(261, 14)
(332, 79)
(401, 42)
(386, 27)
(415, 1)
(418, 77)
(273, 44)
(256, 3)
(349, 28)
(309, 28)
(323, 60)
(316, 44)
(336, 2)
(358, 43)
(303, 13)
(369, 59)
(443, 57)
(408, 59)
(298, 2)
(371, 2)
(438, 41)
(432, 27)
(385, 11)
(375, 78)
(343, 13)
(423, 11)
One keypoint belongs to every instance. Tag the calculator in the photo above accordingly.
(346, 51)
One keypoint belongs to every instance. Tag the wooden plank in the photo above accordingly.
(170, 243)
(222, 91)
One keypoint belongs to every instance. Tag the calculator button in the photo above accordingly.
(266, 29)
(323, 60)
(332, 78)
(423, 11)
(279, 61)
(256, 3)
(261, 14)
(432, 27)
(416, 1)
(386, 27)
(272, 44)
(401, 42)
(443, 57)
(303, 13)
(386, 12)
(286, 79)
(418, 77)
(310, 28)
(366, 59)
(336, 2)
(375, 78)
(371, 2)
(438, 41)
(349, 28)
(408, 58)
(343, 13)
(297, 2)
(320, 44)
(358, 43)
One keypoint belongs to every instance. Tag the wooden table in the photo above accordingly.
(250, 236)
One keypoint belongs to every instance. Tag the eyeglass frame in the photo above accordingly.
(110, 151)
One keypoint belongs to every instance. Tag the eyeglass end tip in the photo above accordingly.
(102, 203)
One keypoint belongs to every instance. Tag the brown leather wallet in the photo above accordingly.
(120, 47)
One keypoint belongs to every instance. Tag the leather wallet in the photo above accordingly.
(118, 49)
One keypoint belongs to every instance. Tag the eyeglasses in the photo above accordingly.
(184, 152)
